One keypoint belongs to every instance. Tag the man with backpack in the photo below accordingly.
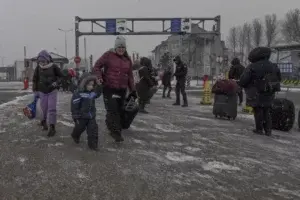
(261, 79)
(180, 74)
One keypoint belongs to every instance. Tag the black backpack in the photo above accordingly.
(268, 84)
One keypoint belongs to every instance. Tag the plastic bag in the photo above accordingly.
(30, 110)
(39, 112)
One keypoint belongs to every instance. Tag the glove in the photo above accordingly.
(54, 84)
(133, 94)
(75, 121)
(36, 94)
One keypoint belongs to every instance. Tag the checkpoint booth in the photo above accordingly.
(288, 61)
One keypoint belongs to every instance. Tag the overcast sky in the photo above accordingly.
(35, 23)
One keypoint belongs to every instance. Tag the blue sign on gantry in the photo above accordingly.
(110, 26)
(176, 25)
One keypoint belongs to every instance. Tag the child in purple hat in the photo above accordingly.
(45, 81)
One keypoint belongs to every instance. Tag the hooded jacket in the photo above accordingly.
(115, 71)
(255, 74)
(83, 101)
(146, 81)
(181, 69)
(236, 69)
(45, 77)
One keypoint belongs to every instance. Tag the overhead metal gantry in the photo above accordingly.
(110, 26)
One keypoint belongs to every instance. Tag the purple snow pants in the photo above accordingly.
(48, 105)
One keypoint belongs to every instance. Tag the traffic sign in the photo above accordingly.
(110, 26)
(77, 59)
(186, 25)
(121, 25)
(176, 25)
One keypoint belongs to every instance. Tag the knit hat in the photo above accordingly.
(120, 42)
(44, 56)
(259, 53)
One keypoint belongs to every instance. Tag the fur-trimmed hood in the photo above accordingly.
(85, 79)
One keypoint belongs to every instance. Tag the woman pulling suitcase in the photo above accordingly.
(114, 71)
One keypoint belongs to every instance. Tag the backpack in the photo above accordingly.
(269, 84)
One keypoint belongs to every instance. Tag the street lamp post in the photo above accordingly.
(66, 45)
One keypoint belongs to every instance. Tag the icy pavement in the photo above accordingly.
(171, 154)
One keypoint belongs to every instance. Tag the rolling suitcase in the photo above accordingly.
(225, 106)
(129, 112)
(283, 114)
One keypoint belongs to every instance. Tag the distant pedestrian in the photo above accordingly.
(26, 83)
(84, 110)
(235, 73)
(180, 74)
(145, 84)
(166, 82)
(46, 79)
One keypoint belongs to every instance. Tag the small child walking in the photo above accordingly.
(84, 110)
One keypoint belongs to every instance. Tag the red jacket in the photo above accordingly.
(114, 71)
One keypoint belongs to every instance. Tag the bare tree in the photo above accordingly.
(257, 32)
(242, 40)
(291, 26)
(248, 38)
(271, 26)
(233, 39)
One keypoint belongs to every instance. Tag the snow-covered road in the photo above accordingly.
(172, 153)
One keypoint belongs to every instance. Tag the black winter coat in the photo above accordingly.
(83, 101)
(181, 71)
(166, 79)
(43, 79)
(145, 84)
(249, 80)
(236, 72)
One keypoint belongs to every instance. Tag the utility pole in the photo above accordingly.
(66, 45)
(85, 61)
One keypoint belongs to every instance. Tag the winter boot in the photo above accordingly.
(51, 131)
(44, 125)
(118, 137)
(75, 139)
(93, 146)
(259, 132)
(268, 133)
(185, 102)
(142, 108)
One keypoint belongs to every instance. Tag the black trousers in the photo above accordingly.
(263, 119)
(114, 101)
(169, 88)
(91, 127)
(180, 88)
(240, 94)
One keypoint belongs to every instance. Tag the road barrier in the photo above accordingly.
(206, 98)
(188, 81)
(291, 82)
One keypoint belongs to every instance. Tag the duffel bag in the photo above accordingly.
(225, 86)
(283, 114)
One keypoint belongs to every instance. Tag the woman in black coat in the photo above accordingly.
(145, 83)
(261, 79)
